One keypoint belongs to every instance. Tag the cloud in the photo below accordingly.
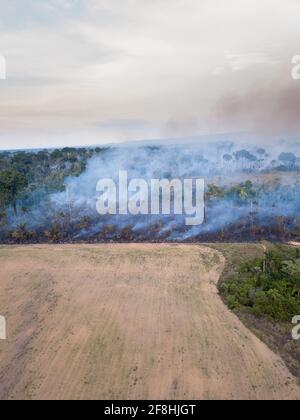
(79, 67)
(16, 14)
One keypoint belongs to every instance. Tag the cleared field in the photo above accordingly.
(127, 322)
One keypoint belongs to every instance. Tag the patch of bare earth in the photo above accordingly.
(127, 322)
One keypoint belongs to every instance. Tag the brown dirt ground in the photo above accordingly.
(127, 322)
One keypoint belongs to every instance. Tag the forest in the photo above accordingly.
(267, 287)
(251, 193)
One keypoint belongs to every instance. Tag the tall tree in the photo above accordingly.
(288, 159)
(12, 183)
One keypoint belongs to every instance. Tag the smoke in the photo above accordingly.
(201, 161)
(265, 109)
(235, 205)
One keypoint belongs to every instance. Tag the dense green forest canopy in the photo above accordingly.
(267, 287)
(24, 171)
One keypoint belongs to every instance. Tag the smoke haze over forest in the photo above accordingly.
(252, 192)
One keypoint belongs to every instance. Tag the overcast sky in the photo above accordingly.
(98, 71)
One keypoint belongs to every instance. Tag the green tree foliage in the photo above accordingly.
(268, 287)
(243, 192)
(292, 269)
(44, 171)
(12, 183)
(214, 191)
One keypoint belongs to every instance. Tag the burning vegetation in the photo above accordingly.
(251, 193)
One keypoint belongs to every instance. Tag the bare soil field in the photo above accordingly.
(127, 322)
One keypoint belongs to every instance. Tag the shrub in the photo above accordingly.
(272, 292)
(22, 234)
(54, 235)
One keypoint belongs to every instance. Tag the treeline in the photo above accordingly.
(260, 283)
(263, 207)
(261, 160)
(267, 287)
(29, 176)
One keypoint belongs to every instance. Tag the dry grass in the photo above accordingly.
(127, 322)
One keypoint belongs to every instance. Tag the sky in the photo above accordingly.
(83, 72)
